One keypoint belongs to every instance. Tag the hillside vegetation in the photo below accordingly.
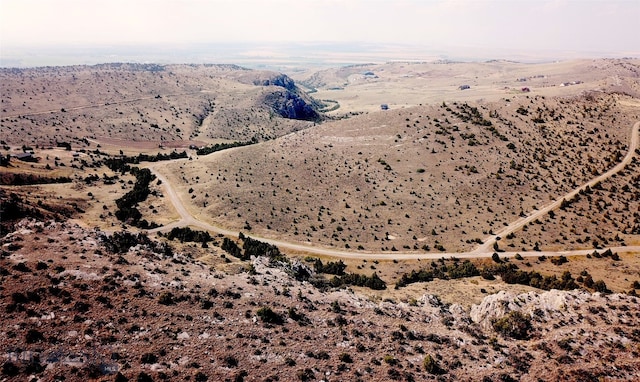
(125, 104)
(427, 178)
(123, 306)
(213, 223)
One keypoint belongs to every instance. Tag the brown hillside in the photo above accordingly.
(425, 178)
(82, 305)
(129, 104)
(127, 256)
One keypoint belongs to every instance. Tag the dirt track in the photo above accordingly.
(484, 250)
(516, 225)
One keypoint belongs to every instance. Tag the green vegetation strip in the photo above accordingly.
(223, 146)
(508, 272)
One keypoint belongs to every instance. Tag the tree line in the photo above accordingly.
(223, 146)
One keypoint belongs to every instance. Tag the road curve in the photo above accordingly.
(487, 244)
(484, 250)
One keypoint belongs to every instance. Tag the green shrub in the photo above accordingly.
(391, 360)
(166, 298)
(148, 358)
(305, 375)
(300, 318)
(431, 365)
(230, 361)
(559, 260)
(253, 247)
(223, 146)
(515, 325)
(600, 286)
(187, 234)
(268, 316)
(333, 267)
(232, 248)
(371, 282)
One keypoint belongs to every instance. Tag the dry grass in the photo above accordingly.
(415, 178)
(406, 84)
(134, 107)
(71, 307)
(423, 176)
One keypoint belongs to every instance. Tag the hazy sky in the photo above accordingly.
(577, 25)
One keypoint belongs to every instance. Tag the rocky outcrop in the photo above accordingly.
(139, 312)
(544, 306)
(283, 96)
(290, 104)
(277, 79)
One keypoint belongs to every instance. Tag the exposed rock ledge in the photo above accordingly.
(553, 303)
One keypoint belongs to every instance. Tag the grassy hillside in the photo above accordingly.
(426, 178)
(130, 104)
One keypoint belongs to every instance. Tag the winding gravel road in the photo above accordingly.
(483, 250)
(516, 225)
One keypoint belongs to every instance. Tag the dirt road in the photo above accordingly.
(516, 225)
(484, 250)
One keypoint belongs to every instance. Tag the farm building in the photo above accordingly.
(25, 157)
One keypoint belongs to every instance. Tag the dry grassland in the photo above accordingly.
(438, 174)
(82, 298)
(420, 179)
(136, 108)
(403, 84)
